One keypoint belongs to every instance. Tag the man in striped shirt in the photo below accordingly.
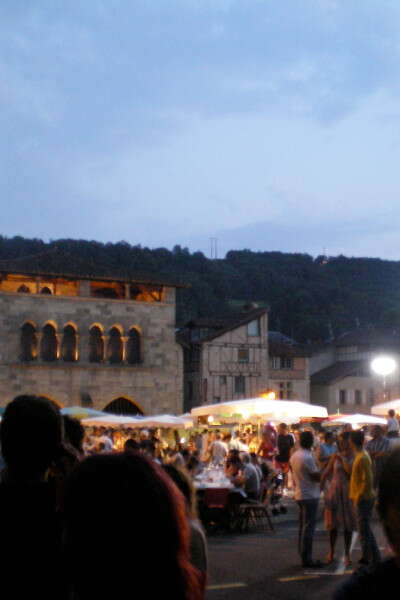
(378, 449)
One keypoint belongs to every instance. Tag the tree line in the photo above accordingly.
(310, 299)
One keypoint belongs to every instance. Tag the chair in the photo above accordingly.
(214, 510)
(253, 512)
(216, 497)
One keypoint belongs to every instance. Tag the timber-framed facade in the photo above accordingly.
(225, 359)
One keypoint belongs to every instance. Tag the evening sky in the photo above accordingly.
(268, 124)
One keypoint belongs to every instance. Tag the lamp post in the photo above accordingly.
(383, 366)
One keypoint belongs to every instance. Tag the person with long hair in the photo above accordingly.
(198, 542)
(125, 509)
(339, 513)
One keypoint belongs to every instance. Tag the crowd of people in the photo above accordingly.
(352, 475)
(74, 500)
(78, 528)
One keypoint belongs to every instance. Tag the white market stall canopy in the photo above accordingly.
(165, 421)
(274, 410)
(82, 412)
(110, 421)
(139, 422)
(384, 407)
(357, 420)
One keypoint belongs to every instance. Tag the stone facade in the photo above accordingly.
(154, 385)
(289, 376)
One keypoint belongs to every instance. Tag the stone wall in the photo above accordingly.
(155, 385)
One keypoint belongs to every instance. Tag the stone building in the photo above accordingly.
(101, 340)
(226, 358)
(341, 376)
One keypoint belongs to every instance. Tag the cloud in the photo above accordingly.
(181, 119)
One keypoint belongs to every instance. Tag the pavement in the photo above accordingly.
(265, 565)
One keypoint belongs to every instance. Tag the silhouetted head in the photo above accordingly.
(329, 438)
(31, 435)
(74, 432)
(234, 455)
(131, 445)
(391, 413)
(357, 439)
(377, 432)
(184, 483)
(306, 440)
(344, 441)
(126, 506)
(245, 458)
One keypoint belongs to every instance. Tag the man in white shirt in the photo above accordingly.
(235, 443)
(392, 425)
(306, 477)
(218, 450)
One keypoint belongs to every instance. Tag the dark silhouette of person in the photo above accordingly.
(123, 510)
(382, 578)
(31, 439)
(74, 433)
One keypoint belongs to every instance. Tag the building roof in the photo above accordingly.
(282, 345)
(52, 263)
(282, 349)
(340, 370)
(377, 338)
(220, 325)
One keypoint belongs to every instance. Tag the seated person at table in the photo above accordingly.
(233, 464)
(251, 479)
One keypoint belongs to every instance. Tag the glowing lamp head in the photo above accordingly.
(210, 419)
(383, 365)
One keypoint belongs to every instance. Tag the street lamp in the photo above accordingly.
(384, 366)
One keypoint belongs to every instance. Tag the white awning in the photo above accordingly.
(356, 419)
(384, 407)
(277, 410)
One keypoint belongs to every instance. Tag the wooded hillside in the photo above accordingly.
(309, 299)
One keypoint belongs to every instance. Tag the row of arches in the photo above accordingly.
(49, 346)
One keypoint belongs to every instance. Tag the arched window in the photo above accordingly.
(123, 406)
(114, 349)
(23, 289)
(69, 344)
(29, 342)
(133, 350)
(48, 346)
(86, 400)
(96, 345)
(46, 290)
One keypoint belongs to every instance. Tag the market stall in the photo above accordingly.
(164, 422)
(81, 412)
(357, 420)
(112, 421)
(256, 409)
